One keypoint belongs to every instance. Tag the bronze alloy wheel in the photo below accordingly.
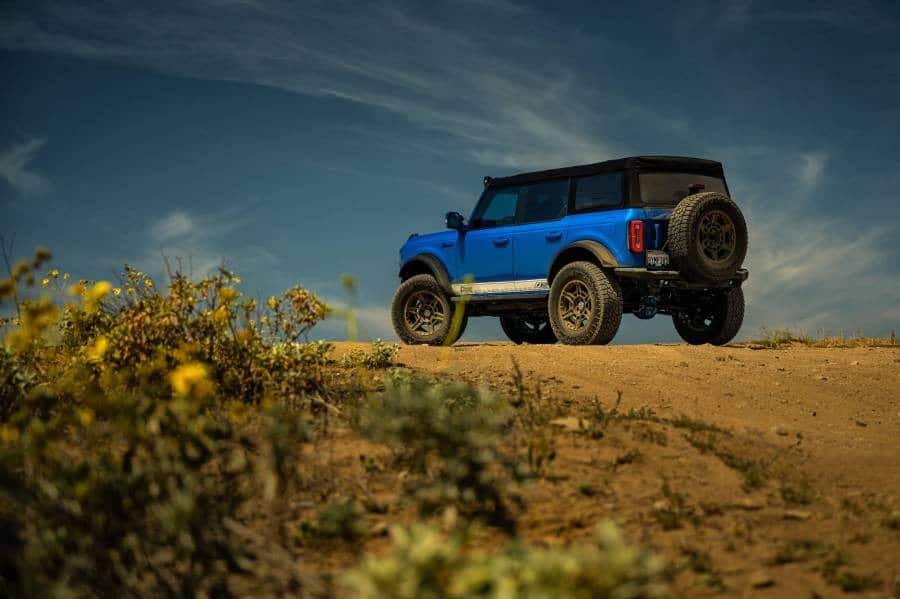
(716, 236)
(423, 313)
(575, 306)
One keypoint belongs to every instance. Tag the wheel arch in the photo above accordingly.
(586, 249)
(427, 264)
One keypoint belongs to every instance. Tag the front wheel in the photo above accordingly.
(534, 329)
(714, 318)
(422, 313)
(585, 305)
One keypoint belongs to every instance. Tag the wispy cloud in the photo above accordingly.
(14, 167)
(856, 15)
(812, 167)
(810, 268)
(175, 225)
(201, 242)
(509, 99)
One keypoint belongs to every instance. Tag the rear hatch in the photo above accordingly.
(659, 193)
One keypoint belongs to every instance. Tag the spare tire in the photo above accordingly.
(707, 237)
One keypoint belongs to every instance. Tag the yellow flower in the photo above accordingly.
(99, 290)
(191, 380)
(221, 314)
(228, 294)
(53, 273)
(236, 280)
(45, 282)
(85, 416)
(8, 434)
(65, 276)
(117, 292)
(148, 283)
(272, 302)
(95, 351)
(129, 290)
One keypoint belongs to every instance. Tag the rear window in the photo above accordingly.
(667, 189)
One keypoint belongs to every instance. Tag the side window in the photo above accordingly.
(598, 192)
(543, 201)
(496, 209)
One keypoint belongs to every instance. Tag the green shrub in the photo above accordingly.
(381, 356)
(119, 472)
(423, 563)
(448, 436)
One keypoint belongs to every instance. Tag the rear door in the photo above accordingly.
(541, 233)
(486, 247)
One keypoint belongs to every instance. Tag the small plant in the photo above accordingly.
(381, 356)
(775, 338)
(893, 521)
(339, 519)
(424, 563)
(532, 418)
(800, 550)
(753, 472)
(448, 436)
(802, 494)
(836, 572)
(673, 510)
(587, 489)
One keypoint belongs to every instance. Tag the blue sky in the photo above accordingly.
(303, 140)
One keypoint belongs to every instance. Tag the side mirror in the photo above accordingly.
(455, 221)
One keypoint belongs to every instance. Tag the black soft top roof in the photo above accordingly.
(698, 166)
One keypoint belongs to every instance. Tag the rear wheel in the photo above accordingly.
(529, 328)
(714, 318)
(422, 313)
(585, 305)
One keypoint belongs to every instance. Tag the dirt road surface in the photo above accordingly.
(844, 402)
(801, 497)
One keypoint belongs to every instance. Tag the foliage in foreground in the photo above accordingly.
(147, 435)
(118, 469)
(423, 563)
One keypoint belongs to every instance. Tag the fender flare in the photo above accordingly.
(600, 252)
(432, 264)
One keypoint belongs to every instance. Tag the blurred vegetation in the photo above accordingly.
(424, 563)
(177, 440)
(776, 338)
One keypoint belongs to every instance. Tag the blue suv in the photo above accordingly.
(560, 255)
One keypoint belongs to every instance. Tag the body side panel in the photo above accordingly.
(610, 229)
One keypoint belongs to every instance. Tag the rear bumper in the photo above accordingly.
(673, 278)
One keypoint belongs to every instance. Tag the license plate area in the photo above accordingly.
(657, 260)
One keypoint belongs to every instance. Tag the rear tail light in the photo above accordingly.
(636, 236)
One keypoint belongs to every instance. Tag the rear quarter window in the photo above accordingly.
(598, 192)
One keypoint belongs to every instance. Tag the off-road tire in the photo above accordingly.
(425, 285)
(729, 315)
(686, 251)
(605, 314)
(518, 331)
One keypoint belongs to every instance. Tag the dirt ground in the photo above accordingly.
(759, 472)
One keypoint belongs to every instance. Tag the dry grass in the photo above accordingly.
(776, 338)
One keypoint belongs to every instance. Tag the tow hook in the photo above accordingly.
(647, 309)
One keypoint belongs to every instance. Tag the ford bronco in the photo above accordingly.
(560, 255)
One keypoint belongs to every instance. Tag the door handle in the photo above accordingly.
(501, 242)
(555, 236)
(447, 244)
